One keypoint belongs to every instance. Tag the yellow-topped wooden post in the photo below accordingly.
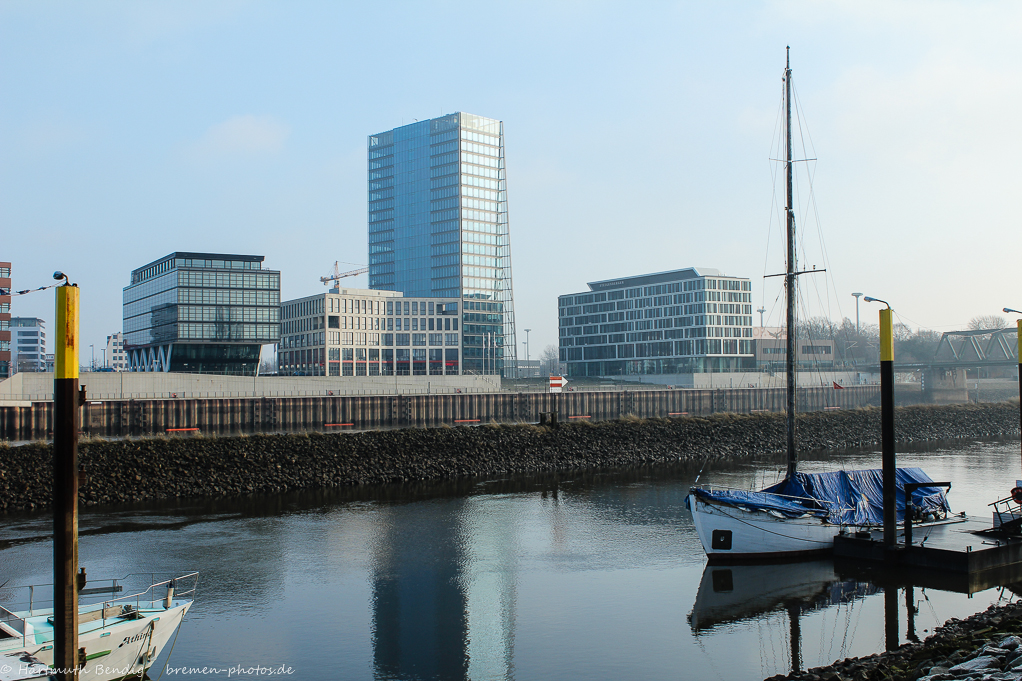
(65, 485)
(887, 428)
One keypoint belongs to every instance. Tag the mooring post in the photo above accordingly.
(65, 485)
(887, 428)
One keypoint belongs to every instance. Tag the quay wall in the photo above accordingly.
(131, 469)
(33, 420)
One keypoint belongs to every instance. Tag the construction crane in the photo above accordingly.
(337, 275)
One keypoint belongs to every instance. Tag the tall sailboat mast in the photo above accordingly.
(790, 274)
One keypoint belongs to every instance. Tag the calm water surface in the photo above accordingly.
(594, 576)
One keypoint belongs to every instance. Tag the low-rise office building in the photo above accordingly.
(201, 313)
(116, 357)
(770, 345)
(360, 332)
(680, 322)
(28, 344)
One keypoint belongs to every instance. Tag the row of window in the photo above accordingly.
(260, 280)
(687, 348)
(355, 338)
(716, 286)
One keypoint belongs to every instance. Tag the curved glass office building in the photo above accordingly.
(201, 313)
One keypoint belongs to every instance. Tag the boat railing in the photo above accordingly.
(145, 590)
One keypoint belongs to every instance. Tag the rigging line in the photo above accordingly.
(775, 144)
(12, 293)
(811, 173)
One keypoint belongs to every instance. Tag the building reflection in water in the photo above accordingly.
(444, 592)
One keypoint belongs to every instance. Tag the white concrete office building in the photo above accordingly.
(360, 332)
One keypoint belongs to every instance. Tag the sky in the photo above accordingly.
(639, 138)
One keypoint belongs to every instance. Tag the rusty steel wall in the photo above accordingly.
(114, 418)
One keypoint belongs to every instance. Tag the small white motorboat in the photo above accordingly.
(122, 635)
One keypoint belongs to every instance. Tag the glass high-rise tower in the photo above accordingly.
(438, 227)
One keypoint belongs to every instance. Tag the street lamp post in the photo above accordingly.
(857, 296)
(527, 348)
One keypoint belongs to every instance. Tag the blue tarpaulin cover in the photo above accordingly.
(843, 497)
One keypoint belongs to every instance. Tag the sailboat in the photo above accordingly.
(121, 633)
(800, 516)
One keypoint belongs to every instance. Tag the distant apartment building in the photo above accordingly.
(359, 332)
(28, 344)
(116, 357)
(685, 321)
(201, 313)
(5, 320)
(438, 228)
(770, 345)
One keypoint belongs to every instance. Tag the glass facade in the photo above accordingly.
(201, 313)
(438, 226)
(680, 322)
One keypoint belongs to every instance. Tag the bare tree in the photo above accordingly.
(989, 321)
(549, 361)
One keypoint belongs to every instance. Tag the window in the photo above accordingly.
(401, 339)
(450, 339)
(436, 339)
(418, 339)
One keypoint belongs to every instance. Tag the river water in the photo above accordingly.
(587, 576)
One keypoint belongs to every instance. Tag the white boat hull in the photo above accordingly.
(729, 533)
(114, 651)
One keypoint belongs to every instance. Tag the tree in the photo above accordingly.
(549, 361)
(988, 321)
(816, 328)
(919, 347)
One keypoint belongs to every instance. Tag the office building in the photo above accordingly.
(5, 320)
(680, 322)
(438, 227)
(116, 358)
(770, 346)
(201, 313)
(28, 344)
(359, 332)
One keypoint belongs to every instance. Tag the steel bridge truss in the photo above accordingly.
(980, 347)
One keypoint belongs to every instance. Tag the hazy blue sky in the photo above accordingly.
(638, 140)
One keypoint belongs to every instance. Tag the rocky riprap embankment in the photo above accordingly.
(161, 468)
(984, 647)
